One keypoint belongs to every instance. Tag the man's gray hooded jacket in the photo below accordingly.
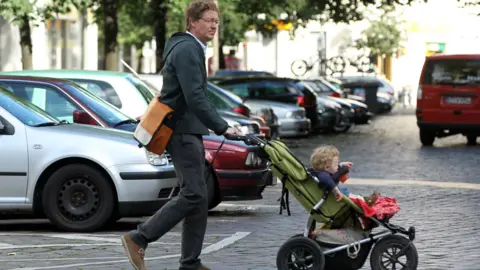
(185, 85)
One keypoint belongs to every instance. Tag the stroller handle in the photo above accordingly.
(249, 139)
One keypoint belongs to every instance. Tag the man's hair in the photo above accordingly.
(196, 8)
(322, 156)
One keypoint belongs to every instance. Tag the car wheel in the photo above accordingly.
(79, 198)
(427, 137)
(213, 201)
(471, 140)
(342, 128)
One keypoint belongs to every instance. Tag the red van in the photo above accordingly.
(448, 98)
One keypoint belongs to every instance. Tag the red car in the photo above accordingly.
(238, 173)
(448, 98)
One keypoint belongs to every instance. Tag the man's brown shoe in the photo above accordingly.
(134, 252)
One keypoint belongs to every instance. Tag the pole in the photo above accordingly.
(215, 43)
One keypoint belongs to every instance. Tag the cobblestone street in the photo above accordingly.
(437, 189)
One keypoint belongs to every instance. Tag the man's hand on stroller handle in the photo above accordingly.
(233, 131)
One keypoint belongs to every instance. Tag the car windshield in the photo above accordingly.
(24, 110)
(452, 72)
(227, 94)
(328, 85)
(261, 88)
(141, 87)
(106, 111)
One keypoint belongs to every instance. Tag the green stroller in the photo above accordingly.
(341, 243)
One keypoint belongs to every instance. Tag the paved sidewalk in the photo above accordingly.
(446, 219)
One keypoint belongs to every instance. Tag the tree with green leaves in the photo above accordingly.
(384, 35)
(26, 13)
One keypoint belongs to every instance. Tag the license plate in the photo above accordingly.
(458, 100)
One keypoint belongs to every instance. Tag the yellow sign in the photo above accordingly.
(282, 25)
(424, 27)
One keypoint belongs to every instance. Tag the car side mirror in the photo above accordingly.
(82, 117)
(5, 127)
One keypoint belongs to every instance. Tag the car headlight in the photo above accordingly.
(156, 160)
(289, 115)
(253, 160)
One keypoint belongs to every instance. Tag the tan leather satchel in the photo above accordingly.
(157, 123)
(156, 127)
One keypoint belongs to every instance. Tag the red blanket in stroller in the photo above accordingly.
(383, 208)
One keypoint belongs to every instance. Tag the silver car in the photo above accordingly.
(79, 176)
(291, 118)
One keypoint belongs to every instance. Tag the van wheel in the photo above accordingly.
(78, 198)
(471, 139)
(427, 137)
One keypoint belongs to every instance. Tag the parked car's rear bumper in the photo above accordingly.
(384, 107)
(242, 184)
(452, 127)
(362, 116)
(291, 127)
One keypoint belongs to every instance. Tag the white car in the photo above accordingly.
(79, 176)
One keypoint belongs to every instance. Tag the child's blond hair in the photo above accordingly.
(323, 156)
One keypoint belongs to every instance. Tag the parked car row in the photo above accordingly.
(326, 106)
(73, 158)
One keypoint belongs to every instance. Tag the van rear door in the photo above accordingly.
(451, 90)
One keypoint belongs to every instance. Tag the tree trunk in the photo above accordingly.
(221, 56)
(159, 8)
(26, 43)
(110, 32)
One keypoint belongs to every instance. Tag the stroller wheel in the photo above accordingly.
(394, 252)
(300, 253)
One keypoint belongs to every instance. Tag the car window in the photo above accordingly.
(47, 98)
(233, 98)
(218, 102)
(240, 90)
(23, 110)
(110, 114)
(271, 88)
(142, 88)
(452, 71)
(102, 89)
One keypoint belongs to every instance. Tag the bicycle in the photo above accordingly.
(335, 64)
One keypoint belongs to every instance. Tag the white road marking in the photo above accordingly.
(248, 206)
(439, 184)
(102, 235)
(225, 242)
(105, 241)
(84, 237)
(388, 182)
(212, 248)
(7, 247)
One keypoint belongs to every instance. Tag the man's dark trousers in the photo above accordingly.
(188, 156)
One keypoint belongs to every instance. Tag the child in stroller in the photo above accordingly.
(328, 171)
(341, 243)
